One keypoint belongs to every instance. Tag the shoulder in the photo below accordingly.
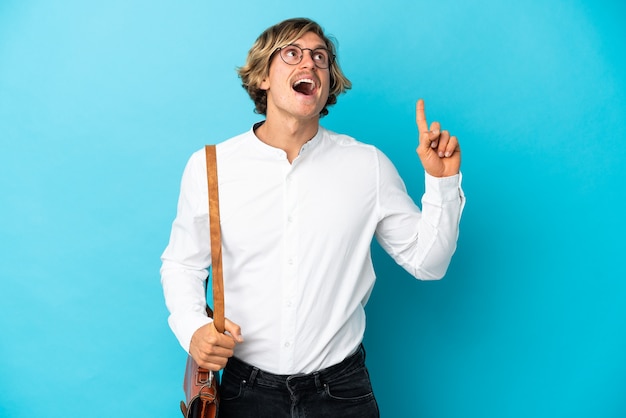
(223, 148)
(352, 146)
(347, 142)
(341, 139)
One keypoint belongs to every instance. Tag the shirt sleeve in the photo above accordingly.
(421, 241)
(187, 257)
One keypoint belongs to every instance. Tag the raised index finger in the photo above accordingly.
(420, 116)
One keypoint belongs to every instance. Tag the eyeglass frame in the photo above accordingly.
(331, 56)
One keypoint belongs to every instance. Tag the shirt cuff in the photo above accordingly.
(443, 189)
(191, 324)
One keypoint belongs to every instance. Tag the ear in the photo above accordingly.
(265, 84)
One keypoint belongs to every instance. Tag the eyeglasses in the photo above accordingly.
(292, 55)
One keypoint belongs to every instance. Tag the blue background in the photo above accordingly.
(101, 104)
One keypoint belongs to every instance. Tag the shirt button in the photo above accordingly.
(287, 344)
(289, 218)
(290, 261)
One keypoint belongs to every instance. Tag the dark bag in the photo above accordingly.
(201, 385)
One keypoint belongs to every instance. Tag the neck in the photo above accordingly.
(287, 134)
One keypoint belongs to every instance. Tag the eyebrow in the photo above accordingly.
(319, 46)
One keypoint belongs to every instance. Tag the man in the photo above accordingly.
(299, 207)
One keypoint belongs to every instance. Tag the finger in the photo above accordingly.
(234, 330)
(211, 339)
(210, 356)
(212, 352)
(452, 147)
(444, 139)
(435, 132)
(213, 343)
(420, 116)
(226, 341)
(212, 363)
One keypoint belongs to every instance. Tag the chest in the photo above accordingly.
(264, 201)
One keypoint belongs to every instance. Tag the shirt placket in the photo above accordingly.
(290, 272)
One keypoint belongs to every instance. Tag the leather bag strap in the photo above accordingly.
(216, 239)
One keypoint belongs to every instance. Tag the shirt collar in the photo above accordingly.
(277, 152)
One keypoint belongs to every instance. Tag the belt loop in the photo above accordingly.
(318, 382)
(253, 374)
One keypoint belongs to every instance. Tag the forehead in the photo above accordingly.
(310, 40)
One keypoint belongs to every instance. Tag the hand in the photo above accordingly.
(439, 152)
(211, 349)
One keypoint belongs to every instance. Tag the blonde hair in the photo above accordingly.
(257, 64)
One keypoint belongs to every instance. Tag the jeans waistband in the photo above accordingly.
(253, 375)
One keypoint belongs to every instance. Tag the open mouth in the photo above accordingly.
(304, 86)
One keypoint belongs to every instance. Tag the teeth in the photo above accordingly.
(304, 80)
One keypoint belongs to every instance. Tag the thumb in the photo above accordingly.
(234, 330)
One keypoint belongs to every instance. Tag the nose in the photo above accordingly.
(307, 59)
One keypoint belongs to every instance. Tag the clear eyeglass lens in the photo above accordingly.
(292, 55)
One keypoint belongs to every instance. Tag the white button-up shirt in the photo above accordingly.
(296, 244)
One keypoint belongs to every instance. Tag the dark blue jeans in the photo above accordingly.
(343, 390)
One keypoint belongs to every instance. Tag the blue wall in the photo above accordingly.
(101, 104)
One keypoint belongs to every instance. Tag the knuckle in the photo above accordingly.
(210, 366)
